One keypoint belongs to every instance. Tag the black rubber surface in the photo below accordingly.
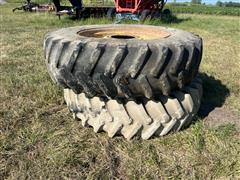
(122, 68)
(111, 13)
(145, 13)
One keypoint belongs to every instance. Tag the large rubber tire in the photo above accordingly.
(158, 61)
(145, 14)
(111, 13)
(166, 12)
(146, 118)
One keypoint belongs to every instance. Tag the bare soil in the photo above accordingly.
(222, 116)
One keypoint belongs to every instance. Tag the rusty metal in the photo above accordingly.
(125, 33)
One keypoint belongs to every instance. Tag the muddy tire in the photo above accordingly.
(122, 61)
(146, 118)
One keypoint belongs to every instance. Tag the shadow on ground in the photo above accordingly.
(171, 18)
(214, 94)
(166, 19)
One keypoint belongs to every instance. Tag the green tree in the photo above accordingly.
(219, 3)
(196, 1)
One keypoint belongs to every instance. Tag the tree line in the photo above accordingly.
(219, 3)
(227, 4)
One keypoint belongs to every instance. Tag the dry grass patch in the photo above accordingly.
(40, 139)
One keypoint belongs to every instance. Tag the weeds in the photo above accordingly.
(39, 138)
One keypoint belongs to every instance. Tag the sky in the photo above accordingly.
(206, 1)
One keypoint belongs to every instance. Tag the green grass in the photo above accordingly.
(40, 140)
(203, 9)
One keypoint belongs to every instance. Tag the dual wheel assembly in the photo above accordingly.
(130, 80)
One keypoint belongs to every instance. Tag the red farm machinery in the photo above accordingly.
(123, 9)
(135, 9)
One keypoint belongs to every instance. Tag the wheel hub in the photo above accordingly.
(125, 32)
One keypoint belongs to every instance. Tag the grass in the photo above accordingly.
(203, 9)
(40, 140)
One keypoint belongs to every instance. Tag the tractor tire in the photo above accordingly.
(111, 13)
(122, 61)
(166, 12)
(145, 118)
(144, 15)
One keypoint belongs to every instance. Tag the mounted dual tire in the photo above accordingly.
(145, 118)
(122, 61)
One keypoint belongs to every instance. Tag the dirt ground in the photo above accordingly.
(222, 116)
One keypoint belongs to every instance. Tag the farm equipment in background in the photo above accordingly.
(30, 6)
(95, 8)
(137, 10)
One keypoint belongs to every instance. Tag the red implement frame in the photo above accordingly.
(137, 6)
